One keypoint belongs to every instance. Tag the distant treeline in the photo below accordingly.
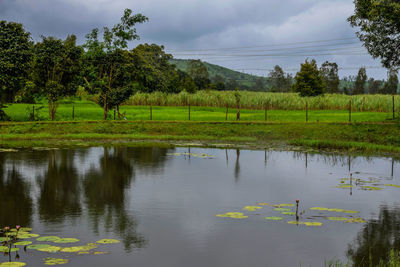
(105, 67)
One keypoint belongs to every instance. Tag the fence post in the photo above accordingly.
(114, 113)
(266, 110)
(189, 111)
(350, 110)
(306, 111)
(393, 107)
(151, 112)
(226, 114)
(73, 112)
(33, 112)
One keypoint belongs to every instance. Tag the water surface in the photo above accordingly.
(162, 205)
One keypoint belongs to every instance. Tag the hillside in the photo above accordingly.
(243, 80)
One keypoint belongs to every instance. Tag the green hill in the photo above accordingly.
(243, 80)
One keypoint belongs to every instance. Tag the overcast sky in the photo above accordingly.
(250, 36)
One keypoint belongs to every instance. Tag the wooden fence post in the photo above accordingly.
(226, 114)
(114, 113)
(266, 110)
(73, 112)
(306, 111)
(350, 110)
(189, 111)
(151, 112)
(393, 107)
(33, 112)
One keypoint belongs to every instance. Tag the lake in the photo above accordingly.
(162, 205)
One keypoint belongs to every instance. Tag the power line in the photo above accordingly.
(268, 45)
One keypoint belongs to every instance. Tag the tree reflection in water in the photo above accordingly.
(16, 202)
(104, 189)
(374, 242)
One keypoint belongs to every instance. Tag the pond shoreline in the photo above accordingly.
(365, 138)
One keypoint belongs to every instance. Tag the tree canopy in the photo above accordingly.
(309, 81)
(379, 29)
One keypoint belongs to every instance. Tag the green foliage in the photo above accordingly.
(56, 69)
(329, 72)
(360, 84)
(308, 80)
(108, 67)
(199, 74)
(15, 59)
(280, 82)
(379, 28)
(391, 84)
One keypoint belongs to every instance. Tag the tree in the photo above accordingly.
(153, 71)
(391, 84)
(259, 84)
(219, 82)
(280, 82)
(379, 24)
(56, 69)
(15, 59)
(329, 72)
(199, 73)
(108, 63)
(374, 86)
(361, 79)
(308, 81)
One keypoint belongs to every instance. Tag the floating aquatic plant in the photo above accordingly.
(252, 208)
(22, 243)
(370, 188)
(337, 218)
(50, 249)
(107, 241)
(334, 210)
(12, 264)
(282, 209)
(55, 261)
(38, 246)
(393, 185)
(289, 213)
(48, 238)
(356, 220)
(305, 223)
(234, 215)
(66, 240)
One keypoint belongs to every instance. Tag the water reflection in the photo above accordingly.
(377, 238)
(60, 190)
(16, 202)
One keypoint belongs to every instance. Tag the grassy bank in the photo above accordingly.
(382, 138)
(87, 110)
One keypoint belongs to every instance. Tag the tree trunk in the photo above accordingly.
(105, 106)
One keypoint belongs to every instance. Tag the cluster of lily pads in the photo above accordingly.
(300, 217)
(12, 240)
(369, 184)
(195, 155)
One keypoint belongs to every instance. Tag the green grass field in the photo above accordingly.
(87, 110)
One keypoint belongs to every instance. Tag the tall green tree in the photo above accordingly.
(56, 69)
(374, 86)
(279, 80)
(379, 29)
(199, 74)
(360, 83)
(107, 63)
(15, 59)
(309, 81)
(391, 85)
(153, 71)
(330, 74)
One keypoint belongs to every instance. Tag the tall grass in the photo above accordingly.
(259, 100)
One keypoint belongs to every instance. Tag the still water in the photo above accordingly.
(162, 205)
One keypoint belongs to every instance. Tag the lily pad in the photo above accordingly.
(66, 240)
(289, 213)
(4, 249)
(23, 243)
(345, 186)
(282, 209)
(79, 248)
(319, 208)
(264, 204)
(2, 239)
(356, 220)
(351, 211)
(371, 188)
(25, 229)
(48, 238)
(113, 241)
(235, 215)
(27, 235)
(273, 218)
(393, 185)
(37, 246)
(284, 205)
(100, 252)
(55, 261)
(305, 223)
(252, 208)
(337, 218)
(51, 249)
(12, 264)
